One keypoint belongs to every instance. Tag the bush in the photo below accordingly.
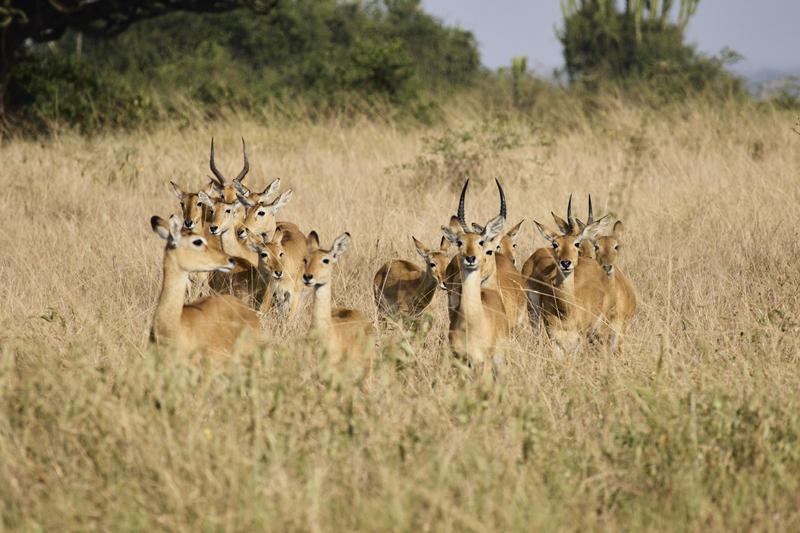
(48, 88)
(603, 44)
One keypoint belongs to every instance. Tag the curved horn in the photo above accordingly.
(502, 198)
(570, 219)
(460, 215)
(591, 215)
(213, 166)
(246, 167)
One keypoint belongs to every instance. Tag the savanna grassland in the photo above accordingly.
(696, 426)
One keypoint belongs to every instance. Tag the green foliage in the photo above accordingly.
(54, 88)
(641, 43)
(330, 54)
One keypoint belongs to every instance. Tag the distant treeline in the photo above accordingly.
(323, 56)
(331, 54)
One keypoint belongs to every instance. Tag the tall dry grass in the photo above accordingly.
(696, 427)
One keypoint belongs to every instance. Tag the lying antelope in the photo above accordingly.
(573, 299)
(623, 296)
(402, 288)
(212, 324)
(345, 333)
(480, 322)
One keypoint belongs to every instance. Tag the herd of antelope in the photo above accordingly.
(229, 255)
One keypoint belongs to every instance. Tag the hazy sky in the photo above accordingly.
(765, 32)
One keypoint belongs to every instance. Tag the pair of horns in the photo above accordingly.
(571, 219)
(245, 169)
(461, 203)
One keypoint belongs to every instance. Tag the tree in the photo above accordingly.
(600, 40)
(38, 21)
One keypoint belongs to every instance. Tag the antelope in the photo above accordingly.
(452, 277)
(623, 296)
(401, 287)
(540, 270)
(508, 243)
(226, 221)
(501, 273)
(195, 214)
(281, 264)
(572, 296)
(212, 324)
(345, 333)
(480, 322)
(245, 281)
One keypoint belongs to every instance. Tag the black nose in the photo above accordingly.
(187, 223)
(278, 274)
(307, 277)
(566, 264)
(470, 259)
(214, 229)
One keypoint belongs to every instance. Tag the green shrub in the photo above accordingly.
(50, 88)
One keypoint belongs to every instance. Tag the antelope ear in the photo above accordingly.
(619, 229)
(477, 227)
(580, 224)
(493, 228)
(591, 231)
(548, 235)
(277, 236)
(444, 244)
(421, 248)
(513, 233)
(272, 188)
(312, 241)
(241, 190)
(176, 191)
(454, 224)
(340, 245)
(160, 227)
(247, 202)
(213, 186)
(449, 234)
(563, 225)
(205, 199)
(282, 200)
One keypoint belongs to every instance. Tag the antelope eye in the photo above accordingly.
(199, 204)
(181, 204)
(480, 243)
(432, 265)
(596, 247)
(280, 254)
(459, 243)
(261, 213)
(227, 210)
(514, 245)
(489, 252)
(577, 244)
(326, 261)
(198, 242)
(264, 255)
(555, 245)
(616, 246)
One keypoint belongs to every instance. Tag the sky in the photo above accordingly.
(765, 32)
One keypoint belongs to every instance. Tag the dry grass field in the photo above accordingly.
(696, 426)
